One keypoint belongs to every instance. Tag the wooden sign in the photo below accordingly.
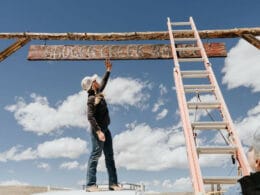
(119, 52)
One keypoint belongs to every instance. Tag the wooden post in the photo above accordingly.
(251, 39)
(13, 48)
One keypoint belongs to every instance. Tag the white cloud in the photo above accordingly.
(245, 127)
(157, 105)
(242, 67)
(58, 148)
(144, 148)
(13, 183)
(163, 89)
(203, 98)
(151, 185)
(83, 167)
(177, 139)
(73, 165)
(44, 166)
(201, 112)
(162, 114)
(126, 92)
(216, 160)
(69, 165)
(160, 102)
(101, 163)
(167, 184)
(155, 182)
(183, 184)
(40, 118)
(16, 154)
(63, 147)
(153, 149)
(248, 125)
(180, 184)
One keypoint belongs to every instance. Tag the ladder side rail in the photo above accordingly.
(174, 52)
(240, 154)
(197, 180)
(199, 42)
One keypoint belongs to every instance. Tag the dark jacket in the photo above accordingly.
(98, 114)
(250, 184)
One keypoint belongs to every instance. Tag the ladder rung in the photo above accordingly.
(190, 59)
(209, 125)
(187, 48)
(203, 105)
(194, 74)
(220, 180)
(184, 39)
(217, 150)
(180, 23)
(198, 88)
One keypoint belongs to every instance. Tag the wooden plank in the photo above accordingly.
(251, 39)
(118, 52)
(13, 48)
(112, 36)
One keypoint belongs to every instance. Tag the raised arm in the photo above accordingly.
(103, 84)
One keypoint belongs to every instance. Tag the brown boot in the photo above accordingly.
(93, 188)
(115, 187)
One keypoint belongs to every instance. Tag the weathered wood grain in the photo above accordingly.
(252, 40)
(113, 36)
(118, 52)
(13, 48)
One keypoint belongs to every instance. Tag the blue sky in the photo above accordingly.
(42, 107)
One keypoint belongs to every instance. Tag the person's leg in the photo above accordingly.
(97, 147)
(109, 158)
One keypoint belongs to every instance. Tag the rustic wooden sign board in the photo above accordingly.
(119, 52)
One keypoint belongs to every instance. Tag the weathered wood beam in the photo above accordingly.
(120, 52)
(251, 39)
(13, 48)
(156, 35)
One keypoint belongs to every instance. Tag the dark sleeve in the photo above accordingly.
(104, 81)
(91, 111)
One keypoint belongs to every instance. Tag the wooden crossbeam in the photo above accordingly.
(251, 39)
(155, 35)
(13, 48)
(120, 52)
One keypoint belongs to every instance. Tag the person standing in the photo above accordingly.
(98, 117)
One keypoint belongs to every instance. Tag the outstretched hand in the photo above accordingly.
(108, 64)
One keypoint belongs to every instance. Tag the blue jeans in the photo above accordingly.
(97, 148)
